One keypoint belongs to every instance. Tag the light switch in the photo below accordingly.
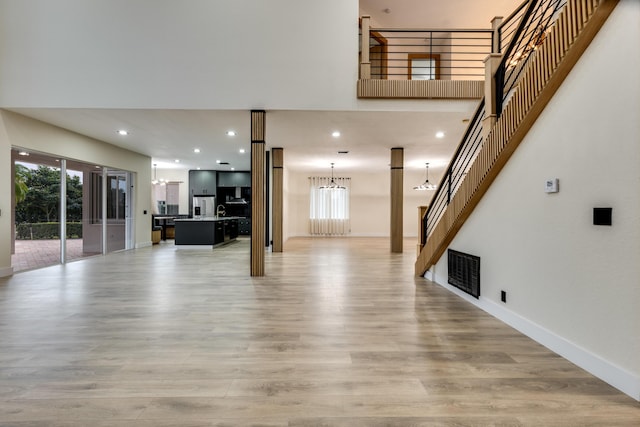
(551, 186)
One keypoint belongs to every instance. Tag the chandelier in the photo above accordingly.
(332, 185)
(426, 185)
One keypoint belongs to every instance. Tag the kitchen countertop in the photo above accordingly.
(208, 219)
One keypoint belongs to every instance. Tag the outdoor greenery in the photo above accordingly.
(38, 203)
(47, 230)
(21, 188)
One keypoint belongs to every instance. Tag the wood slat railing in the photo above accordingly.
(424, 89)
(572, 33)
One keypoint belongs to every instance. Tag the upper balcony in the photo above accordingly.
(429, 63)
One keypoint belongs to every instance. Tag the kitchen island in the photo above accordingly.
(206, 231)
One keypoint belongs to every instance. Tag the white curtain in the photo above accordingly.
(329, 207)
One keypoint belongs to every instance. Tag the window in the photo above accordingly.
(329, 206)
(424, 66)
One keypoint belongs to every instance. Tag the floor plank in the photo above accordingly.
(338, 333)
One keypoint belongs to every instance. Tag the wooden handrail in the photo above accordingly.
(576, 27)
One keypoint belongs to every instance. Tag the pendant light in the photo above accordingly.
(426, 185)
(154, 181)
(332, 185)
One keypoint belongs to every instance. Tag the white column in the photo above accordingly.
(63, 211)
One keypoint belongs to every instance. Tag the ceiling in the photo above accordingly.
(463, 14)
(306, 136)
(167, 135)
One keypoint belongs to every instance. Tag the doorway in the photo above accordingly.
(424, 66)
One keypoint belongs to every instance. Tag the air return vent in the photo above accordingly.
(464, 272)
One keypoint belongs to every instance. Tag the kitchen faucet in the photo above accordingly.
(220, 210)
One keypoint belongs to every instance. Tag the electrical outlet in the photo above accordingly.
(503, 296)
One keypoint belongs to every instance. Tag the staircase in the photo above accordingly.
(529, 74)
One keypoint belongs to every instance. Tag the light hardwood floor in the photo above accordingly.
(338, 333)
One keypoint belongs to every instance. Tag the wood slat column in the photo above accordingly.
(397, 172)
(258, 192)
(278, 183)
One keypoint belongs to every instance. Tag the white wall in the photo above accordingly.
(136, 54)
(370, 203)
(6, 225)
(573, 285)
(20, 131)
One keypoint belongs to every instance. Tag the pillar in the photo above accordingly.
(491, 64)
(7, 201)
(258, 193)
(422, 211)
(365, 62)
(496, 22)
(277, 155)
(397, 162)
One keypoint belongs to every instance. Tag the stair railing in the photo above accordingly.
(455, 173)
(533, 18)
(534, 23)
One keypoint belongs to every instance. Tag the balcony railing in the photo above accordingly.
(423, 63)
(404, 54)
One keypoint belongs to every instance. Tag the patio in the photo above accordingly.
(32, 254)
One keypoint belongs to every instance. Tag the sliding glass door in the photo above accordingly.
(93, 219)
(36, 211)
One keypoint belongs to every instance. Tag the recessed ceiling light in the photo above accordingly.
(177, 160)
(231, 133)
(335, 134)
(440, 134)
(23, 153)
(123, 132)
(196, 150)
(233, 169)
(218, 161)
(198, 168)
(242, 151)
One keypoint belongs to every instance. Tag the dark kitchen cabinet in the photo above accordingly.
(234, 179)
(219, 232)
(202, 183)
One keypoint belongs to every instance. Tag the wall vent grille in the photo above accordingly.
(464, 272)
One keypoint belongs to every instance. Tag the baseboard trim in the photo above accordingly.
(617, 377)
(7, 271)
(143, 244)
